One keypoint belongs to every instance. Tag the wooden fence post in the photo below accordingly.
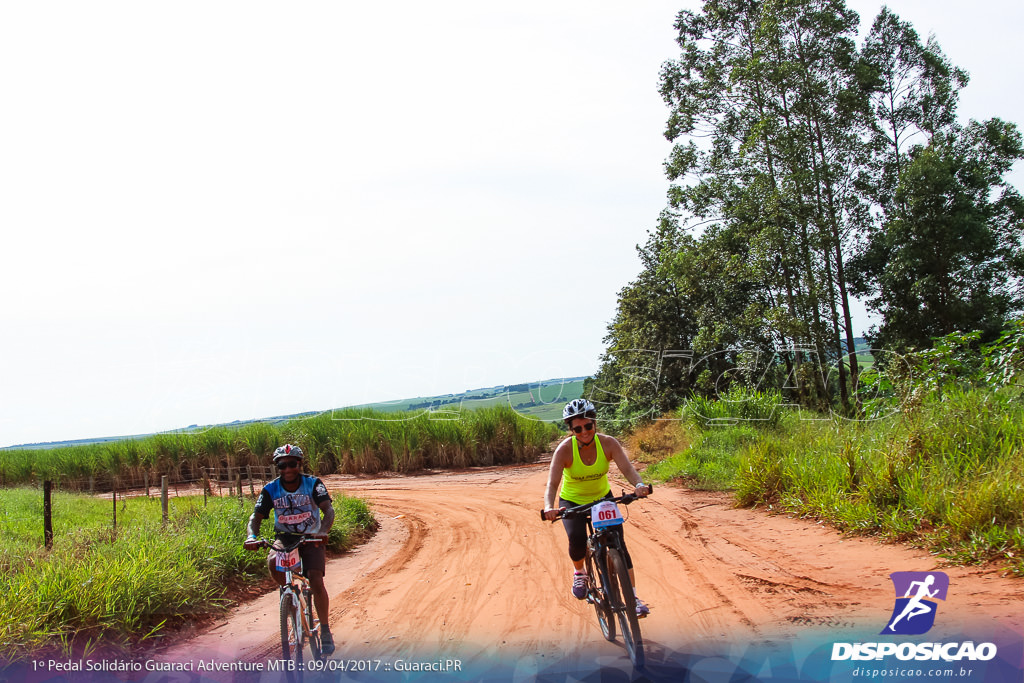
(252, 488)
(163, 495)
(47, 515)
(238, 479)
(206, 485)
(145, 478)
(114, 498)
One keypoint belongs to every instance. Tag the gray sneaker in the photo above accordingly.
(642, 610)
(326, 642)
(579, 585)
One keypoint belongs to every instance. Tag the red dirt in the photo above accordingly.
(462, 565)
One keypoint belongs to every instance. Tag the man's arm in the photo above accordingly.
(263, 507)
(327, 521)
(253, 529)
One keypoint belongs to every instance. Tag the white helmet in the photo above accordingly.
(579, 407)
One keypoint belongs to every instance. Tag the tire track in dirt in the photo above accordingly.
(463, 566)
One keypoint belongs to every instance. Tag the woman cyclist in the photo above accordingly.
(580, 465)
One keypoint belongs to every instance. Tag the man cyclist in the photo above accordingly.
(581, 461)
(297, 500)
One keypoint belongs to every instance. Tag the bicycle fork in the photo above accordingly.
(301, 628)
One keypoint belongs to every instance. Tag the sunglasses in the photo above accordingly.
(287, 465)
(579, 428)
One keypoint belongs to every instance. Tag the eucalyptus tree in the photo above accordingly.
(951, 257)
(654, 315)
(772, 87)
(914, 92)
(942, 251)
(805, 170)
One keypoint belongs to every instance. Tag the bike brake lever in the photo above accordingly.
(544, 519)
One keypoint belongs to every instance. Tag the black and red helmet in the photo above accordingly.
(288, 451)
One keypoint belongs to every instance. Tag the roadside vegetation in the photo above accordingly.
(941, 465)
(101, 589)
(342, 441)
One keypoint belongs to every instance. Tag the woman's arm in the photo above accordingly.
(558, 464)
(613, 448)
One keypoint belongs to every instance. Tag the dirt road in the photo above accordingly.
(462, 566)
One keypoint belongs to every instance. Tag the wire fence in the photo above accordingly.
(245, 482)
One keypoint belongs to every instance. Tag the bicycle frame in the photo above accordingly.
(610, 590)
(296, 601)
(599, 541)
(297, 586)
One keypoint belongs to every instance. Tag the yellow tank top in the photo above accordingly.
(583, 484)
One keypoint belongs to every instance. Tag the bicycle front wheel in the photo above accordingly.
(291, 637)
(625, 606)
(598, 586)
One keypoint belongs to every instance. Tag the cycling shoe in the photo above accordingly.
(579, 585)
(326, 642)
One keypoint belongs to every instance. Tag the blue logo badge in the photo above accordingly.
(916, 595)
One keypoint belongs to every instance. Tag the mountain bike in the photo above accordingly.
(609, 589)
(297, 621)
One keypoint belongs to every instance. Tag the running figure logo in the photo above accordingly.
(916, 594)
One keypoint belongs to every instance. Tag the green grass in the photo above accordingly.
(349, 440)
(717, 430)
(98, 588)
(710, 462)
(947, 473)
(739, 405)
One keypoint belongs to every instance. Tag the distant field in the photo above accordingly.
(537, 400)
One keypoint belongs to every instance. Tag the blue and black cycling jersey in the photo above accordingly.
(295, 512)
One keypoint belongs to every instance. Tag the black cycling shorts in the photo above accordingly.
(576, 530)
(314, 559)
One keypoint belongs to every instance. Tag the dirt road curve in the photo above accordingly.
(463, 565)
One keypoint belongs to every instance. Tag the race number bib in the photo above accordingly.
(605, 513)
(289, 560)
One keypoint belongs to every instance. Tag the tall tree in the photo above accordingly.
(774, 88)
(950, 260)
(790, 146)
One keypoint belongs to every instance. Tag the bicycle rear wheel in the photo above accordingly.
(291, 640)
(624, 604)
(599, 598)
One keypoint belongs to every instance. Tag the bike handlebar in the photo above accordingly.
(264, 543)
(625, 499)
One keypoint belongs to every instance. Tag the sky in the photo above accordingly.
(213, 211)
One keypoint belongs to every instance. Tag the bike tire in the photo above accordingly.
(314, 631)
(599, 597)
(625, 607)
(291, 643)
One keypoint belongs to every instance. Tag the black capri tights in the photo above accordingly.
(576, 530)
